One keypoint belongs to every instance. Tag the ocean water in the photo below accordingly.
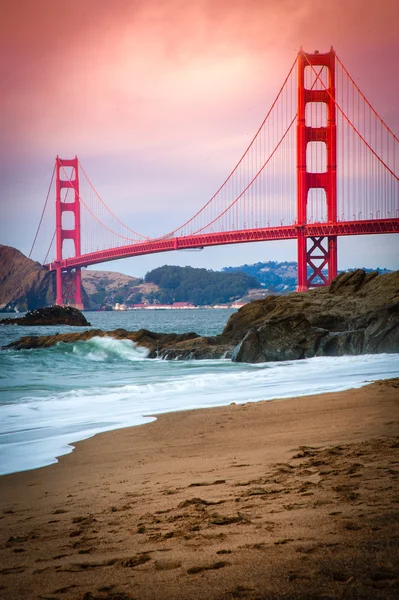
(51, 398)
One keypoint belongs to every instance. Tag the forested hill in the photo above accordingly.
(199, 286)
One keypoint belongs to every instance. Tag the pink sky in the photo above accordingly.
(160, 98)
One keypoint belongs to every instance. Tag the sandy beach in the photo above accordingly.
(292, 498)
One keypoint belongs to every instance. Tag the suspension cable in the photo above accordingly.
(170, 234)
(49, 248)
(350, 122)
(109, 210)
(262, 167)
(365, 99)
(43, 211)
(96, 218)
(253, 179)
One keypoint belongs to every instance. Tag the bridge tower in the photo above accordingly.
(68, 281)
(316, 253)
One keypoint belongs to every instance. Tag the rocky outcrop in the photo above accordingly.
(197, 348)
(292, 338)
(160, 345)
(357, 314)
(157, 342)
(52, 315)
(154, 342)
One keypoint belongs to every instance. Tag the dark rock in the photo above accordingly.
(284, 338)
(46, 341)
(357, 314)
(351, 282)
(154, 342)
(198, 348)
(157, 342)
(374, 333)
(52, 315)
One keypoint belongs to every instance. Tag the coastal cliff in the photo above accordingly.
(26, 284)
(357, 314)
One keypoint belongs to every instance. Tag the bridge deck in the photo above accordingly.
(157, 245)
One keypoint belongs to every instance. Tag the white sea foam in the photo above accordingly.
(121, 387)
(101, 349)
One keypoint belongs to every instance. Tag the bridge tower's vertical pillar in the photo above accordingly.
(316, 253)
(68, 281)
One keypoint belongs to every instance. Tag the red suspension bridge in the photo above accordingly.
(323, 164)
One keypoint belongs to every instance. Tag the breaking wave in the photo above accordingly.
(108, 349)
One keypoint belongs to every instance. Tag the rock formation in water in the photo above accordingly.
(154, 342)
(52, 315)
(357, 314)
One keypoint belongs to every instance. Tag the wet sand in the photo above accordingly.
(288, 499)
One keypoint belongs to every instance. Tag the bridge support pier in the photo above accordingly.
(69, 287)
(68, 281)
(315, 254)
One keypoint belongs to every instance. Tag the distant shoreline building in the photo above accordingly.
(175, 306)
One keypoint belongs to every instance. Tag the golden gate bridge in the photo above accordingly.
(322, 164)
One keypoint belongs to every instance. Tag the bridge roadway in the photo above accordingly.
(283, 232)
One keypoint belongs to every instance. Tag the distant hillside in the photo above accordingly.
(199, 286)
(106, 288)
(278, 277)
(166, 285)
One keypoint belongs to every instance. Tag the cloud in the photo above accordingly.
(160, 97)
(95, 76)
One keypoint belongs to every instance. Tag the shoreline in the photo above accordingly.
(278, 499)
(227, 384)
(70, 447)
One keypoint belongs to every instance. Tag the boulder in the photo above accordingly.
(52, 315)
